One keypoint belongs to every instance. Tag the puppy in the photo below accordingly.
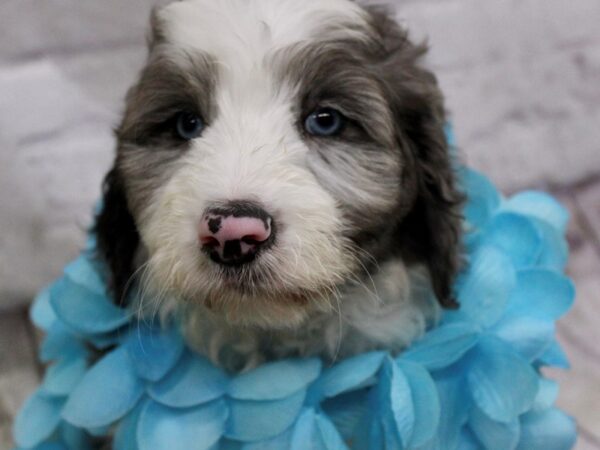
(282, 183)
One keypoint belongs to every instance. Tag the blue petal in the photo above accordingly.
(126, 433)
(485, 289)
(482, 197)
(99, 432)
(63, 376)
(390, 435)
(550, 430)
(41, 313)
(347, 411)
(351, 374)
(164, 428)
(371, 434)
(547, 395)
(153, 351)
(329, 435)
(75, 438)
(47, 446)
(193, 381)
(541, 294)
(275, 380)
(60, 342)
(252, 420)
(426, 403)
(494, 435)
(541, 206)
(450, 136)
(91, 243)
(108, 391)
(228, 444)
(453, 397)
(107, 340)
(516, 236)
(467, 441)
(84, 272)
(555, 249)
(555, 357)
(443, 346)
(279, 442)
(394, 403)
(530, 337)
(38, 420)
(472, 240)
(316, 432)
(501, 381)
(303, 433)
(84, 310)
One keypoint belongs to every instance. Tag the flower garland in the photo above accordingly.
(473, 382)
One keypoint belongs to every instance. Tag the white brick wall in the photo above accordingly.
(522, 80)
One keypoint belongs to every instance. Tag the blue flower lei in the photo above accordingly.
(473, 382)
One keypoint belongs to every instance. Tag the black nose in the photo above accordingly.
(234, 233)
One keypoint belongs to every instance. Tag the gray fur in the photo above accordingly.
(172, 81)
(396, 141)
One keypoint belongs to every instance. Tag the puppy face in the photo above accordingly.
(272, 152)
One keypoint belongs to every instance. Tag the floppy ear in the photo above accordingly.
(431, 230)
(434, 223)
(117, 236)
(116, 231)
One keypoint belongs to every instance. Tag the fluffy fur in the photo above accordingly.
(368, 221)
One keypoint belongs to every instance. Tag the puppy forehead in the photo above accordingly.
(224, 28)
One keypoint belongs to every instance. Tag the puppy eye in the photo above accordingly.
(188, 125)
(325, 122)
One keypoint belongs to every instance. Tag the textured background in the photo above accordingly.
(522, 79)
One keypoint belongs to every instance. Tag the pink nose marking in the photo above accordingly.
(232, 238)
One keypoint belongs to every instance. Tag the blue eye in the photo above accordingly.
(189, 126)
(325, 122)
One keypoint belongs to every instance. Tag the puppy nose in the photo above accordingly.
(234, 233)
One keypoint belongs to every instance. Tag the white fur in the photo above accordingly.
(257, 27)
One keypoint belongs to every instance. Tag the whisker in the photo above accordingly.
(337, 296)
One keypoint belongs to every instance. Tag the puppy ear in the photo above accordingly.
(117, 236)
(431, 230)
(434, 223)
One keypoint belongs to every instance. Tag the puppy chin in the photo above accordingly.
(267, 312)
